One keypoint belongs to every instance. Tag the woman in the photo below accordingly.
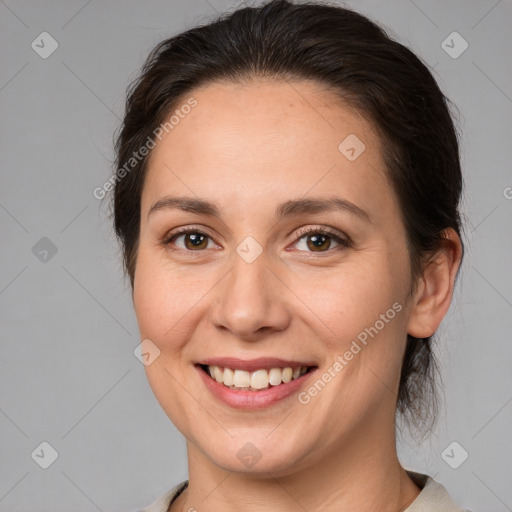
(287, 202)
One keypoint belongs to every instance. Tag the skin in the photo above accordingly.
(248, 148)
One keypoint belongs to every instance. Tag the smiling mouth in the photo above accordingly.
(259, 380)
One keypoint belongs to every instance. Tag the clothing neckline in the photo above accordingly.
(432, 493)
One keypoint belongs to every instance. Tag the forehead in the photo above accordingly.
(264, 140)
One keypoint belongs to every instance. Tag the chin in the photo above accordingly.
(255, 454)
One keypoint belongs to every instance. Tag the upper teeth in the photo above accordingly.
(260, 379)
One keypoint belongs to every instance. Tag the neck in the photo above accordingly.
(357, 475)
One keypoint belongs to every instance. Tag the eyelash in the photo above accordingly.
(344, 243)
(303, 232)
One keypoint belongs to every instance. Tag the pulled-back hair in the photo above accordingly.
(348, 53)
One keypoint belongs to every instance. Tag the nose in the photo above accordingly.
(251, 303)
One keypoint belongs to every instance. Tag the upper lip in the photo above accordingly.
(252, 365)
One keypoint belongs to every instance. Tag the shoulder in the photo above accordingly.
(433, 496)
(161, 504)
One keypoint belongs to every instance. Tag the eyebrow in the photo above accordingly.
(288, 208)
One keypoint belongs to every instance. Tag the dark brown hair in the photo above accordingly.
(349, 54)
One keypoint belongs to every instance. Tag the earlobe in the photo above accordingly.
(435, 289)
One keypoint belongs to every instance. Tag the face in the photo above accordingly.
(295, 257)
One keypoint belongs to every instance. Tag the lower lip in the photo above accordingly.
(253, 399)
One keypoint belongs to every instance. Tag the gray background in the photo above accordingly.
(68, 375)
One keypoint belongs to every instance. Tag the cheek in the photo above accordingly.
(153, 297)
(167, 301)
(159, 304)
(351, 299)
(361, 310)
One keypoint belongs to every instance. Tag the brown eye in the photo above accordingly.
(318, 243)
(195, 241)
(192, 240)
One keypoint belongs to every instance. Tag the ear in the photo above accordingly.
(435, 287)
